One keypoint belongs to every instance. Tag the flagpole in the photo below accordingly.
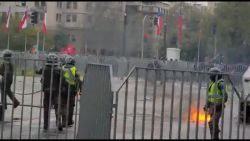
(43, 42)
(37, 41)
(8, 45)
(25, 42)
(142, 39)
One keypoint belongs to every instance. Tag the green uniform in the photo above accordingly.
(217, 96)
(69, 90)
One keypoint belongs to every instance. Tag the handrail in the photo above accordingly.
(237, 93)
(135, 67)
(126, 79)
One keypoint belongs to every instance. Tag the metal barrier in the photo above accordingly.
(150, 103)
(96, 103)
(168, 108)
(122, 65)
(27, 120)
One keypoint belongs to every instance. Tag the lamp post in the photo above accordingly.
(142, 39)
(124, 29)
(199, 43)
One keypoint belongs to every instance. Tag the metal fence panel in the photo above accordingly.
(96, 103)
(171, 107)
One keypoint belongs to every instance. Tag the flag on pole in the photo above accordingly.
(44, 27)
(6, 26)
(159, 23)
(23, 23)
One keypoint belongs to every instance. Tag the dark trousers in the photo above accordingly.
(215, 112)
(46, 102)
(6, 90)
(68, 106)
(71, 107)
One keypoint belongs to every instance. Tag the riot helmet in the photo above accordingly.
(69, 60)
(52, 59)
(7, 54)
(215, 74)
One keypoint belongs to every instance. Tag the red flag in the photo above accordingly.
(44, 28)
(159, 25)
(23, 23)
(180, 23)
(6, 26)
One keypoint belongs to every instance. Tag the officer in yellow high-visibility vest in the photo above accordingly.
(70, 86)
(217, 97)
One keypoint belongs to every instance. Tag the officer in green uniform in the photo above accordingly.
(71, 83)
(6, 70)
(50, 87)
(217, 97)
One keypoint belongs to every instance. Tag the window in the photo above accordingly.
(60, 17)
(43, 3)
(60, 4)
(57, 4)
(74, 18)
(89, 6)
(37, 4)
(23, 3)
(73, 38)
(67, 18)
(68, 5)
(75, 5)
(57, 17)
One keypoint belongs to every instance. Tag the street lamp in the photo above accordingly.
(142, 39)
(199, 44)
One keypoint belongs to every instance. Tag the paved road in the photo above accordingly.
(28, 124)
(31, 127)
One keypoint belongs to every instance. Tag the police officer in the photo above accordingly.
(6, 70)
(217, 97)
(50, 87)
(71, 83)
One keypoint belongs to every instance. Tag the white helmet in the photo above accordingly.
(69, 60)
(215, 69)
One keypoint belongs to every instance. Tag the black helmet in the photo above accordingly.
(52, 58)
(215, 73)
(63, 58)
(69, 60)
(7, 54)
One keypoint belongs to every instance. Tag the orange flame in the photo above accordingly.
(201, 117)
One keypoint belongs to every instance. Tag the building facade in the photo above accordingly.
(67, 17)
(78, 20)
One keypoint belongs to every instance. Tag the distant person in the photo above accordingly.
(217, 97)
(71, 84)
(50, 87)
(6, 70)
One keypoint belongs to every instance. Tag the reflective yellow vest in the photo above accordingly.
(69, 75)
(215, 95)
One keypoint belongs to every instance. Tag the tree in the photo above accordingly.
(61, 40)
(233, 20)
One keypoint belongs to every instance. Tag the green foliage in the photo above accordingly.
(232, 20)
(61, 40)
